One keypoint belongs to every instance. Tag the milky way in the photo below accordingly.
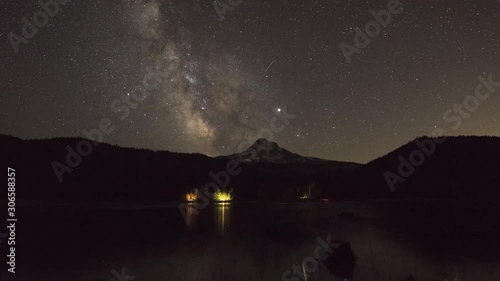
(208, 98)
(227, 78)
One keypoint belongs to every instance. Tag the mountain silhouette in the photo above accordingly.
(265, 151)
(459, 168)
(453, 167)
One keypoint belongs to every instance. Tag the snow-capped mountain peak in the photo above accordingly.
(264, 150)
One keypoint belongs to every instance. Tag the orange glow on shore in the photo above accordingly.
(191, 196)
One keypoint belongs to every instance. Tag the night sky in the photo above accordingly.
(228, 77)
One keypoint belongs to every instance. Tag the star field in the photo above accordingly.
(227, 78)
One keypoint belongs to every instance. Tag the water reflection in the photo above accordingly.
(222, 216)
(192, 217)
(256, 242)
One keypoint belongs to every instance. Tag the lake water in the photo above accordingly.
(255, 241)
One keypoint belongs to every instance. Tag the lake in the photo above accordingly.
(256, 241)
